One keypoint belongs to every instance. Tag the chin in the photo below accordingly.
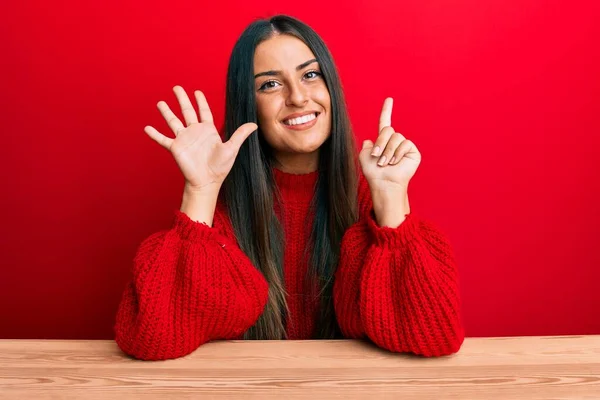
(309, 147)
(301, 142)
(308, 150)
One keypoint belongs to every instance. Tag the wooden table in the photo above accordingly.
(566, 367)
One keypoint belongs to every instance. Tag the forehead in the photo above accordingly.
(281, 52)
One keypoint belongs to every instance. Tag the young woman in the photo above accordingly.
(283, 231)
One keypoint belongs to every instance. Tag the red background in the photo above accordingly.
(501, 97)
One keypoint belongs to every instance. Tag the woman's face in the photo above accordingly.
(292, 99)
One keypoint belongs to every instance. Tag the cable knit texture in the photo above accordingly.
(397, 287)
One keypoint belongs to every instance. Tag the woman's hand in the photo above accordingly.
(388, 166)
(200, 153)
(392, 160)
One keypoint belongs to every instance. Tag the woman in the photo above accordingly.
(283, 232)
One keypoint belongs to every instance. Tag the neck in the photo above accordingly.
(297, 163)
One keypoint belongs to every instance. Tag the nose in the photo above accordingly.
(297, 95)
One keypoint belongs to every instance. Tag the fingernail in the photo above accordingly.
(392, 160)
(382, 160)
(376, 151)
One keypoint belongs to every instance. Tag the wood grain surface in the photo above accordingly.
(547, 367)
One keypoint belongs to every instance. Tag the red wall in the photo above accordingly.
(501, 96)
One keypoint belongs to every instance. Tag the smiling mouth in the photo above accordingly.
(301, 121)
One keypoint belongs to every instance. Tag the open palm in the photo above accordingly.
(203, 158)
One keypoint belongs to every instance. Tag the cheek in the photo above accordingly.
(323, 95)
(266, 120)
(325, 101)
(262, 111)
(267, 111)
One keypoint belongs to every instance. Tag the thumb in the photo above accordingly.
(241, 134)
(367, 144)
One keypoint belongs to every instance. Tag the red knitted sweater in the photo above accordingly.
(191, 284)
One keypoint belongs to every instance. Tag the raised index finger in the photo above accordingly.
(386, 114)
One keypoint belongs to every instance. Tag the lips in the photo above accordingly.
(298, 115)
(302, 127)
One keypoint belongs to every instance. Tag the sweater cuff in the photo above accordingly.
(191, 230)
(393, 237)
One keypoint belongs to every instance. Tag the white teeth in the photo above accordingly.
(300, 120)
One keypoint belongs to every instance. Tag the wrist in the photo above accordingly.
(390, 207)
(199, 205)
(210, 190)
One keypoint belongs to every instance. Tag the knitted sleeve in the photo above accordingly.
(190, 285)
(398, 286)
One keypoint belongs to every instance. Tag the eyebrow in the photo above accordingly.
(275, 73)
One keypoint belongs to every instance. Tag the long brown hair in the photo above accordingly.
(249, 188)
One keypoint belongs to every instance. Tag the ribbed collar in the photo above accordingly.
(296, 187)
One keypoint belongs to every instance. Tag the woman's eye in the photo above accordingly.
(268, 85)
(312, 74)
